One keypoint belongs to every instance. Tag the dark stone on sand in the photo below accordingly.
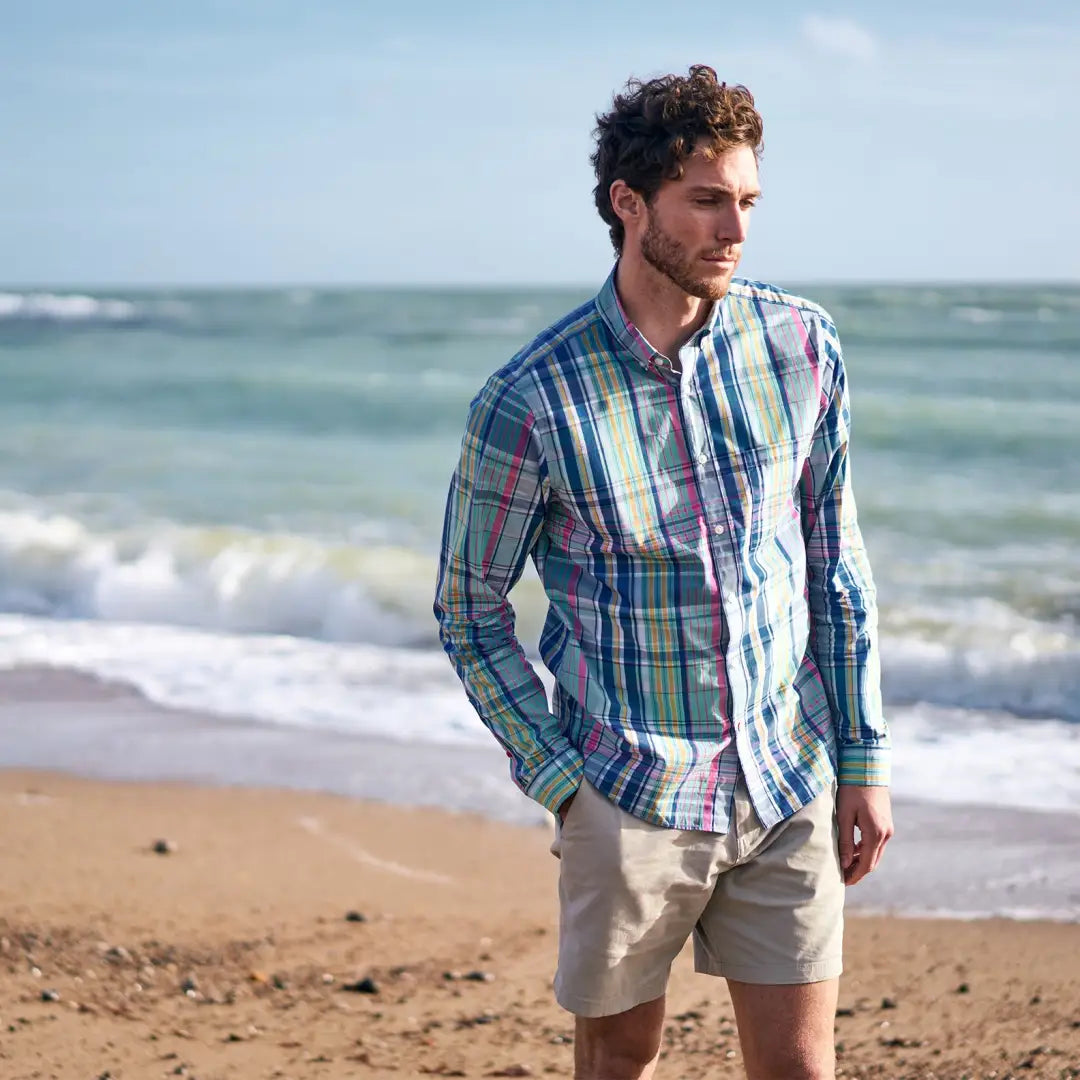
(165, 847)
(845, 1012)
(478, 976)
(512, 1070)
(888, 1003)
(50, 995)
(190, 985)
(689, 1016)
(362, 986)
(355, 916)
(963, 988)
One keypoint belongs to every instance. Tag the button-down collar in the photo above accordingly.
(630, 337)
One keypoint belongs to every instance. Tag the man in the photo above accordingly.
(673, 456)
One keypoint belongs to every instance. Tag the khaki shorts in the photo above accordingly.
(763, 905)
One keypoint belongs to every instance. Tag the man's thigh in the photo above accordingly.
(786, 1032)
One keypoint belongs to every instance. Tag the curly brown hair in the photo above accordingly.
(654, 126)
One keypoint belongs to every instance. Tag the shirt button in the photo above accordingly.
(718, 529)
(703, 458)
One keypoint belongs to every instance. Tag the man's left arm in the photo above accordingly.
(843, 624)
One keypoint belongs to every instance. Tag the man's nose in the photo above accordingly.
(732, 225)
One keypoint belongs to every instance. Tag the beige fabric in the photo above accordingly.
(763, 905)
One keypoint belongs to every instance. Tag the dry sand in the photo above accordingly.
(232, 955)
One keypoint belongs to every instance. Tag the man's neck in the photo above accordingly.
(666, 316)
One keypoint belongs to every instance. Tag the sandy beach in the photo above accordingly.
(235, 954)
(285, 933)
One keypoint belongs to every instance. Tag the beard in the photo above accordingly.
(664, 253)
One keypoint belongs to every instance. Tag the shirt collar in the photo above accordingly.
(629, 337)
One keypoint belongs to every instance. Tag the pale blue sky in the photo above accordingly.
(235, 141)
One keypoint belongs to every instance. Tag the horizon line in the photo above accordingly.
(514, 286)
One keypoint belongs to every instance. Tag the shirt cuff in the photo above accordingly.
(865, 764)
(556, 779)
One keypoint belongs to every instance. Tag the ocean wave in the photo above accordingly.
(78, 309)
(72, 308)
(221, 579)
(982, 654)
(1014, 679)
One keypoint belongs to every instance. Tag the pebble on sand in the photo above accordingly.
(362, 986)
(355, 916)
(165, 847)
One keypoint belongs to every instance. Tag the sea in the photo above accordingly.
(231, 500)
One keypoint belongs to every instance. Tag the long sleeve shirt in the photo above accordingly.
(711, 606)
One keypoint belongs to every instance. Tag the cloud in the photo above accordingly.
(840, 37)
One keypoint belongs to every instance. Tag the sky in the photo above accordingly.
(263, 142)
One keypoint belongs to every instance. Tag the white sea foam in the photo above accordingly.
(73, 307)
(395, 693)
(982, 757)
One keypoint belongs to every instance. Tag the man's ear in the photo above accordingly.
(628, 204)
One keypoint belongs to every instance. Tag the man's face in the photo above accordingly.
(695, 226)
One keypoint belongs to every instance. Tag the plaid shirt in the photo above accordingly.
(711, 604)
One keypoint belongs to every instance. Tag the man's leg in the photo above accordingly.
(786, 1032)
(774, 929)
(630, 894)
(621, 1047)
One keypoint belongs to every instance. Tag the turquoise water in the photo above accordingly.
(233, 498)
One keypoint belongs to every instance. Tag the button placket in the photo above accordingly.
(704, 456)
